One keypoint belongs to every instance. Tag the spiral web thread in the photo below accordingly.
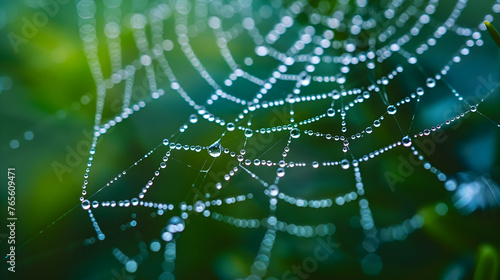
(385, 33)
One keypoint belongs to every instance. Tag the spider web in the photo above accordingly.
(240, 91)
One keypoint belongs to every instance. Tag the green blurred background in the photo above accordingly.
(47, 101)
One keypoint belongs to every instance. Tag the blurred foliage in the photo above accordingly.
(53, 95)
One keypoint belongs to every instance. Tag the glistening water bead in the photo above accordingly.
(295, 133)
(330, 112)
(215, 149)
(406, 141)
(273, 190)
(230, 126)
(430, 82)
(131, 266)
(86, 204)
(306, 80)
(391, 109)
(280, 172)
(248, 133)
(199, 206)
(344, 164)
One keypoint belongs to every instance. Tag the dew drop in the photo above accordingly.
(199, 206)
(248, 133)
(155, 246)
(406, 141)
(315, 164)
(295, 133)
(165, 142)
(193, 118)
(430, 82)
(473, 108)
(344, 164)
(131, 266)
(135, 201)
(273, 190)
(391, 109)
(280, 172)
(369, 130)
(86, 204)
(166, 235)
(376, 123)
(28, 135)
(215, 149)
(230, 126)
(306, 80)
(451, 185)
(420, 91)
(261, 50)
(330, 112)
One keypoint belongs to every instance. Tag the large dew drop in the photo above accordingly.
(430, 82)
(391, 109)
(273, 190)
(131, 266)
(248, 133)
(280, 172)
(344, 164)
(155, 246)
(406, 141)
(193, 118)
(199, 206)
(306, 80)
(330, 112)
(86, 204)
(295, 133)
(215, 149)
(261, 51)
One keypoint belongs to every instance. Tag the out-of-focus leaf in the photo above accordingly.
(487, 263)
(493, 32)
